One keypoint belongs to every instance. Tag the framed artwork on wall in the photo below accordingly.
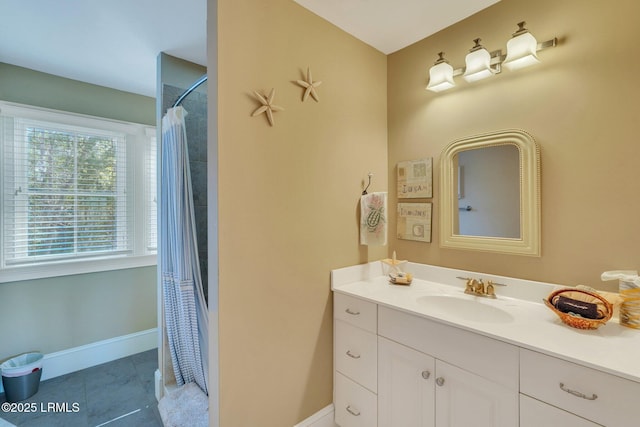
(414, 221)
(415, 179)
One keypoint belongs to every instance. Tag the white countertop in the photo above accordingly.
(522, 319)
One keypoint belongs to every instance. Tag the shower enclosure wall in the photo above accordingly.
(174, 77)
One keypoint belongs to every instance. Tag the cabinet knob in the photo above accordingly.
(351, 312)
(426, 374)
(440, 381)
(353, 411)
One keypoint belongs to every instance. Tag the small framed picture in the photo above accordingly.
(414, 221)
(415, 179)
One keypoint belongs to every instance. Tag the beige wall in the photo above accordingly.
(288, 194)
(580, 104)
(288, 198)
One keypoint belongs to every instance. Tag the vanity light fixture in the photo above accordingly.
(440, 75)
(522, 51)
(478, 63)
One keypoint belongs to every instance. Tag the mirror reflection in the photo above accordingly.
(489, 192)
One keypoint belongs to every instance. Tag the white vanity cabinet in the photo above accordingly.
(406, 386)
(591, 394)
(416, 390)
(396, 369)
(400, 362)
(534, 413)
(465, 399)
(419, 386)
(355, 360)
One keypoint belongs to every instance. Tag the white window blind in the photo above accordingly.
(70, 187)
(152, 199)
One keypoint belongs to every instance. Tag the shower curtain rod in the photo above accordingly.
(188, 91)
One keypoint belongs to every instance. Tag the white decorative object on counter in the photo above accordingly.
(629, 287)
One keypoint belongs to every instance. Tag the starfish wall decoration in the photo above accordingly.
(310, 86)
(267, 107)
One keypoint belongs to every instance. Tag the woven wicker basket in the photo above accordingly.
(580, 322)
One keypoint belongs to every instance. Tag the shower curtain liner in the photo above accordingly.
(184, 304)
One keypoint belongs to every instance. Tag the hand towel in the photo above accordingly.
(601, 309)
(373, 219)
(585, 309)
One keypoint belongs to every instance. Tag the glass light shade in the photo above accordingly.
(478, 65)
(521, 51)
(440, 77)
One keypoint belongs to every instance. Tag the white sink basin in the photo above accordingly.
(472, 308)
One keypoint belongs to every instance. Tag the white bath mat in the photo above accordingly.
(185, 406)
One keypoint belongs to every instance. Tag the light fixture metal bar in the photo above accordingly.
(496, 59)
(547, 44)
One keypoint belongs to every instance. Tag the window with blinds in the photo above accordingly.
(71, 186)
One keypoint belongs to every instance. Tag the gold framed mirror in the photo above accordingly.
(490, 193)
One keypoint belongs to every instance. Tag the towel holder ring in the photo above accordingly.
(367, 187)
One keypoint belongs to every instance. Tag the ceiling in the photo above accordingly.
(390, 25)
(115, 43)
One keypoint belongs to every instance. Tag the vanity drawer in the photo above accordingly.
(356, 354)
(491, 359)
(534, 413)
(355, 311)
(354, 405)
(606, 399)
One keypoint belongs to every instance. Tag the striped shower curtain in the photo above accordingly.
(184, 304)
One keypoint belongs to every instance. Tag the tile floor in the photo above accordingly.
(114, 394)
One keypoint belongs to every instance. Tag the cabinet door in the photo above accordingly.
(406, 392)
(534, 413)
(464, 399)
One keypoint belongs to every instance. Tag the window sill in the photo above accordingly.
(68, 268)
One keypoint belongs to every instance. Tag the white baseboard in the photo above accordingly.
(157, 384)
(322, 418)
(85, 356)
